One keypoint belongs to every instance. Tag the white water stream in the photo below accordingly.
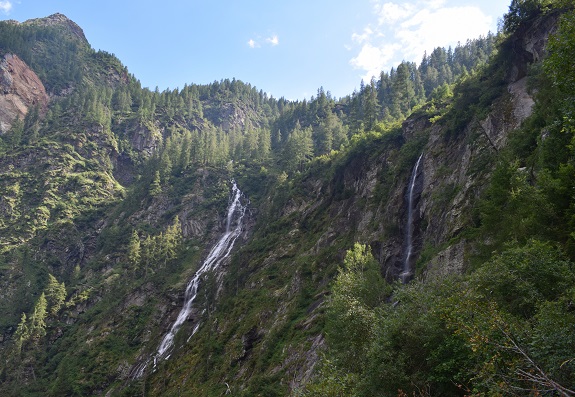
(407, 271)
(220, 251)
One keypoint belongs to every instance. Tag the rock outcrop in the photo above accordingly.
(20, 89)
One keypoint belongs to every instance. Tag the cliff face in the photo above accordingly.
(462, 167)
(20, 89)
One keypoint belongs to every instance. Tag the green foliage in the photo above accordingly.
(298, 149)
(521, 277)
(55, 294)
(38, 318)
(504, 327)
(520, 11)
(514, 209)
(358, 289)
(156, 186)
(134, 250)
(510, 333)
(21, 335)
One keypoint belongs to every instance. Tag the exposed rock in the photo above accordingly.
(20, 89)
(228, 116)
(60, 20)
(529, 43)
(232, 116)
(447, 262)
(522, 101)
(146, 138)
(139, 297)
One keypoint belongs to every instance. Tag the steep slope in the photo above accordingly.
(21, 90)
(64, 224)
(119, 193)
(266, 332)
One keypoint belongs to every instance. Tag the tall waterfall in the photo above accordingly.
(407, 271)
(220, 251)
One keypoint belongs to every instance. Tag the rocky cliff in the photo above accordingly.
(20, 89)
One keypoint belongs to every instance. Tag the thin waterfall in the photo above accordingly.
(220, 251)
(408, 252)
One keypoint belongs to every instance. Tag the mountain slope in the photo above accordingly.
(113, 196)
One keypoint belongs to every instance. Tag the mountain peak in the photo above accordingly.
(62, 21)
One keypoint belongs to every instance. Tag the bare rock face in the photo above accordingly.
(146, 137)
(20, 89)
(529, 45)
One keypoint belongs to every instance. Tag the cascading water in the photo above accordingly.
(408, 252)
(220, 251)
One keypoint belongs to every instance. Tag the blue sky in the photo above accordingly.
(287, 48)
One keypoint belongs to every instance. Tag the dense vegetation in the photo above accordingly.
(96, 222)
(506, 328)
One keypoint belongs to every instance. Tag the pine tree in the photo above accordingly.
(403, 89)
(134, 250)
(16, 132)
(171, 240)
(155, 186)
(371, 105)
(149, 252)
(298, 149)
(165, 166)
(22, 334)
(185, 157)
(264, 144)
(38, 318)
(55, 294)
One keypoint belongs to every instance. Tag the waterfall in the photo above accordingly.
(407, 270)
(220, 251)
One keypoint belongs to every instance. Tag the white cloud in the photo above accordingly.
(428, 29)
(392, 12)
(366, 35)
(255, 43)
(371, 58)
(273, 40)
(5, 6)
(410, 29)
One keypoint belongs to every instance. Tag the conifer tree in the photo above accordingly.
(403, 89)
(264, 144)
(149, 253)
(16, 132)
(55, 294)
(134, 250)
(155, 186)
(371, 105)
(38, 318)
(22, 334)
(185, 156)
(165, 166)
(171, 240)
(298, 149)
